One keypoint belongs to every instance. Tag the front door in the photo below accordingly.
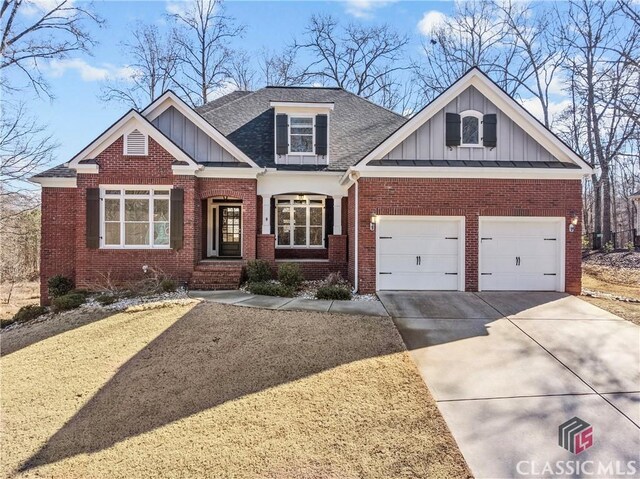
(230, 237)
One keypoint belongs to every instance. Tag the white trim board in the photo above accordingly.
(129, 122)
(501, 100)
(55, 182)
(169, 99)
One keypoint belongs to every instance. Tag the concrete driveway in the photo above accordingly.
(507, 369)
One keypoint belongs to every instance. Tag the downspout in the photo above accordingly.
(353, 176)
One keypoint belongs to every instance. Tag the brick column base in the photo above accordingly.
(266, 248)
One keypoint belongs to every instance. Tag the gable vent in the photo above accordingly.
(135, 144)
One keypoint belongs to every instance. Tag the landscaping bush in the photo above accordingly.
(27, 313)
(290, 275)
(168, 285)
(258, 271)
(333, 292)
(270, 289)
(59, 285)
(107, 299)
(66, 302)
(335, 279)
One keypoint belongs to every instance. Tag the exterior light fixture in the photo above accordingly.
(574, 222)
(372, 221)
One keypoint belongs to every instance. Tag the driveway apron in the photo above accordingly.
(508, 369)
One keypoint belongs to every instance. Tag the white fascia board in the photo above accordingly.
(55, 182)
(129, 122)
(87, 169)
(470, 172)
(222, 172)
(501, 100)
(294, 104)
(170, 99)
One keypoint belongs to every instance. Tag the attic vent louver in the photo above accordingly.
(135, 144)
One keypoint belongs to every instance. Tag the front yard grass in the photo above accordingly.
(217, 391)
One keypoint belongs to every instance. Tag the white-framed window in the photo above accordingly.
(136, 217)
(470, 128)
(300, 222)
(301, 135)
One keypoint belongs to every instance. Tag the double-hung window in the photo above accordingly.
(301, 134)
(135, 218)
(300, 222)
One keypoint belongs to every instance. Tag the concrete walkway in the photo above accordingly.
(240, 298)
(507, 369)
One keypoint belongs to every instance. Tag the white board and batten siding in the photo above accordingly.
(428, 141)
(521, 254)
(420, 253)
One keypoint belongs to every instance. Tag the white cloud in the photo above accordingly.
(365, 8)
(88, 73)
(431, 20)
(532, 105)
(38, 7)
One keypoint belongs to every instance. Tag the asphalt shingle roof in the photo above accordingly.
(60, 171)
(356, 126)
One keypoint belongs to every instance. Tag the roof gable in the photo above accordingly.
(471, 88)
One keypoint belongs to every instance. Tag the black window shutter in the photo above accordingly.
(328, 220)
(93, 218)
(177, 218)
(490, 130)
(453, 129)
(321, 134)
(272, 215)
(282, 134)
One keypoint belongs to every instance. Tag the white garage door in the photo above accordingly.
(521, 254)
(419, 253)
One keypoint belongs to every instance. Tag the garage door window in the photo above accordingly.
(300, 222)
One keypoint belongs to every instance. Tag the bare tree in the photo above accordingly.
(282, 68)
(241, 71)
(203, 37)
(362, 60)
(475, 35)
(600, 79)
(152, 60)
(55, 30)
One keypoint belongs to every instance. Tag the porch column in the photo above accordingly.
(266, 214)
(337, 215)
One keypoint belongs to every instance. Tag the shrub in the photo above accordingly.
(335, 279)
(168, 285)
(630, 246)
(270, 289)
(608, 247)
(290, 275)
(333, 292)
(27, 313)
(106, 299)
(258, 271)
(66, 302)
(59, 286)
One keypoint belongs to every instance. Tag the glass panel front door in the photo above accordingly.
(230, 227)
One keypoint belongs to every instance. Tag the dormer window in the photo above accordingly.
(301, 134)
(471, 128)
(136, 143)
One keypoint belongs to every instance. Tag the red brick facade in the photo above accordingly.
(470, 198)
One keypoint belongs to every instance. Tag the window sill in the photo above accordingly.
(471, 146)
(299, 247)
(130, 248)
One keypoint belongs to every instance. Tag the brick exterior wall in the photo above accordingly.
(64, 249)
(470, 198)
(58, 236)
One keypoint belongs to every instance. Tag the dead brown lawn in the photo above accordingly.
(22, 295)
(609, 280)
(219, 391)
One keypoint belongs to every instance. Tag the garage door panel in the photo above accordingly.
(419, 246)
(418, 253)
(418, 281)
(418, 227)
(522, 255)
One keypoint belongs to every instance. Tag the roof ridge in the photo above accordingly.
(308, 87)
(248, 93)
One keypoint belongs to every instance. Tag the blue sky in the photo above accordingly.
(76, 115)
